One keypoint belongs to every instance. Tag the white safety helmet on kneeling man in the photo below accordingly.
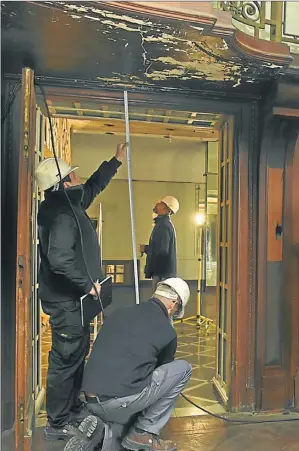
(182, 290)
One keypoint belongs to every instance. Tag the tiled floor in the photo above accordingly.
(190, 430)
(195, 347)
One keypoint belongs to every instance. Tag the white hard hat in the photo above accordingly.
(180, 287)
(172, 203)
(46, 173)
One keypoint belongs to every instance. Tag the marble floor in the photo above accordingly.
(198, 348)
(191, 430)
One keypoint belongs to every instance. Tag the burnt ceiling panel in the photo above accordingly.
(87, 41)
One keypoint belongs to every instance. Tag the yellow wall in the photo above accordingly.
(177, 162)
(117, 242)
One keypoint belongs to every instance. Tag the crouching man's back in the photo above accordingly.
(128, 349)
(132, 369)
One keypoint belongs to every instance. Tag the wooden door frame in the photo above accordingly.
(291, 262)
(292, 214)
(244, 222)
(244, 233)
(24, 404)
(225, 204)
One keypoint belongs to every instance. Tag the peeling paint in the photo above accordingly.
(238, 83)
(163, 52)
(222, 46)
(274, 66)
(92, 17)
(197, 28)
(105, 13)
(120, 25)
(129, 19)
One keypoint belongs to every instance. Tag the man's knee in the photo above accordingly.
(179, 370)
(184, 367)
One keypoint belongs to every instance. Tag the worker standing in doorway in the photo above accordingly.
(70, 258)
(161, 251)
(139, 376)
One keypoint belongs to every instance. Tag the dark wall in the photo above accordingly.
(10, 139)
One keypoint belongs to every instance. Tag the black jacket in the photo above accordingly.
(132, 342)
(62, 274)
(161, 251)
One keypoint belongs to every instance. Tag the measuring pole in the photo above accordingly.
(199, 277)
(126, 105)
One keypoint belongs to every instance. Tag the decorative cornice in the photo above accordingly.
(195, 12)
(213, 22)
(261, 50)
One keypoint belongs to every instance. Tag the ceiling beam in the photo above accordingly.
(51, 108)
(117, 127)
(77, 105)
(193, 115)
(167, 116)
(149, 115)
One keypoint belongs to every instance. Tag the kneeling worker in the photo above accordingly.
(132, 369)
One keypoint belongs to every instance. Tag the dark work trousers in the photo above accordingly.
(70, 346)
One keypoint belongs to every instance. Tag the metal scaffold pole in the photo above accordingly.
(126, 105)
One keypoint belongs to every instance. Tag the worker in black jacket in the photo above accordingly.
(131, 369)
(63, 279)
(161, 260)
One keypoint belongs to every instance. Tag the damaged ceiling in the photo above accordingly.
(94, 42)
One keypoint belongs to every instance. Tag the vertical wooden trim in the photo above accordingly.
(23, 267)
(244, 266)
(291, 268)
(262, 269)
(294, 365)
(275, 195)
(253, 158)
(230, 258)
(241, 267)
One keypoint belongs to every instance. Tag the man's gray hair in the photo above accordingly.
(166, 291)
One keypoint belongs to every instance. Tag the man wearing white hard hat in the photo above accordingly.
(63, 279)
(131, 380)
(161, 261)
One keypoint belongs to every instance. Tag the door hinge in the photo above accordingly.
(21, 413)
(233, 366)
(21, 261)
(26, 141)
(21, 265)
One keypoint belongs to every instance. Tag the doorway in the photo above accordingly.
(167, 137)
(187, 334)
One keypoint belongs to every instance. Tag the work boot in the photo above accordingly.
(91, 434)
(52, 432)
(80, 415)
(136, 440)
